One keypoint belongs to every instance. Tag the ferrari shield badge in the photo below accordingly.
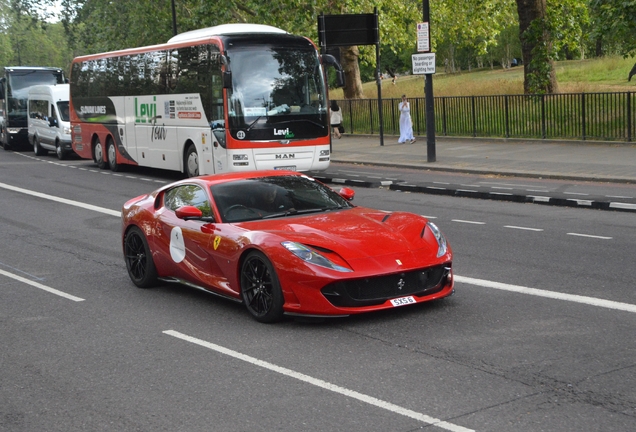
(217, 242)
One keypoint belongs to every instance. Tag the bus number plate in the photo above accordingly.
(402, 301)
(288, 168)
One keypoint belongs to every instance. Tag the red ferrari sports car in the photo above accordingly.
(283, 243)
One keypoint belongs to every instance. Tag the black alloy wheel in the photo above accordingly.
(141, 267)
(260, 288)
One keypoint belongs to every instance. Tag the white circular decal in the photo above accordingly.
(240, 134)
(177, 246)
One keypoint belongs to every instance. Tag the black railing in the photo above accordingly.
(583, 116)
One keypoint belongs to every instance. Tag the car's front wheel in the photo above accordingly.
(141, 267)
(260, 288)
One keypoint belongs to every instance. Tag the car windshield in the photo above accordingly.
(274, 197)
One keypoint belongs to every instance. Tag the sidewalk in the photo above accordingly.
(571, 160)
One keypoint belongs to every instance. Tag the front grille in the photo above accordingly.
(376, 290)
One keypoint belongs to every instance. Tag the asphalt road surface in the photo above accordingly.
(540, 335)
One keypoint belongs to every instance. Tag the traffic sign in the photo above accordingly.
(423, 64)
(423, 37)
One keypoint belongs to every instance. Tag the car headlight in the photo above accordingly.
(441, 240)
(311, 256)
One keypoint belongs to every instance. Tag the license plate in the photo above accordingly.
(288, 168)
(402, 301)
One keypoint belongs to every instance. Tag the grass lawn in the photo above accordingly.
(607, 74)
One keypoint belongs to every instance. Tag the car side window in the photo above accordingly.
(188, 195)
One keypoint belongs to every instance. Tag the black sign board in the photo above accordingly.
(348, 30)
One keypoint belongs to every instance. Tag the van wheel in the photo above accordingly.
(61, 154)
(191, 162)
(37, 148)
(111, 151)
(98, 154)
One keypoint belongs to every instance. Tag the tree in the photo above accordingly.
(615, 21)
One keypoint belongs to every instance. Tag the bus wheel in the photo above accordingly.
(59, 151)
(37, 148)
(112, 155)
(191, 162)
(98, 154)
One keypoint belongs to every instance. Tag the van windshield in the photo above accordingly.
(62, 108)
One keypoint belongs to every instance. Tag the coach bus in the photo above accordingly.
(234, 97)
(14, 90)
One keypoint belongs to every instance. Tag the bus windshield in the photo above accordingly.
(277, 93)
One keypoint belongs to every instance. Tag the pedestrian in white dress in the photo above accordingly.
(406, 125)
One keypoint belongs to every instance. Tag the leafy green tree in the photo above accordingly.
(615, 23)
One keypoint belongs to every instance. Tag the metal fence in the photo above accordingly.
(595, 116)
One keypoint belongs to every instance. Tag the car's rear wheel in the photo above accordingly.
(37, 148)
(260, 288)
(141, 267)
(98, 154)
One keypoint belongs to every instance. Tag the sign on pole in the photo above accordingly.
(423, 37)
(423, 64)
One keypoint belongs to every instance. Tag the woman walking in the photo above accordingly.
(336, 119)
(406, 125)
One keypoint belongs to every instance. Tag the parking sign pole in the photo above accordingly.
(428, 94)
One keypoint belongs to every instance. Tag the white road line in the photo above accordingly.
(540, 198)
(537, 190)
(625, 206)
(322, 384)
(468, 222)
(62, 200)
(523, 228)
(618, 196)
(499, 187)
(575, 193)
(445, 183)
(590, 236)
(40, 286)
(592, 301)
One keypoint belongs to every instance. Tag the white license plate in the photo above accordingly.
(287, 168)
(402, 301)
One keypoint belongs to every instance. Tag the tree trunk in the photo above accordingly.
(353, 83)
(535, 11)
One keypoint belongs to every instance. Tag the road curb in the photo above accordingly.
(519, 198)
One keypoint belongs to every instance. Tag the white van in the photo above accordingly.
(48, 119)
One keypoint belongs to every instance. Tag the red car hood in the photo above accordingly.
(353, 233)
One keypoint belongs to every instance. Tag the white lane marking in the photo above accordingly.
(592, 301)
(540, 198)
(470, 185)
(40, 286)
(618, 196)
(62, 200)
(537, 190)
(468, 222)
(320, 383)
(523, 228)
(590, 236)
(625, 206)
(507, 184)
(575, 193)
(580, 201)
(444, 183)
(499, 187)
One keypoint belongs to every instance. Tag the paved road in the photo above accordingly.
(551, 167)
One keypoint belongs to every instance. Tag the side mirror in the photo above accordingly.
(188, 212)
(347, 193)
(330, 60)
(227, 79)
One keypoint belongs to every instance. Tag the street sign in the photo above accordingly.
(423, 37)
(423, 64)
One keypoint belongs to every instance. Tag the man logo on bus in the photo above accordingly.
(285, 132)
(145, 112)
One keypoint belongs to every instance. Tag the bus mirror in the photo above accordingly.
(340, 78)
(227, 79)
(329, 60)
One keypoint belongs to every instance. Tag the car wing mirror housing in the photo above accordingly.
(347, 193)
